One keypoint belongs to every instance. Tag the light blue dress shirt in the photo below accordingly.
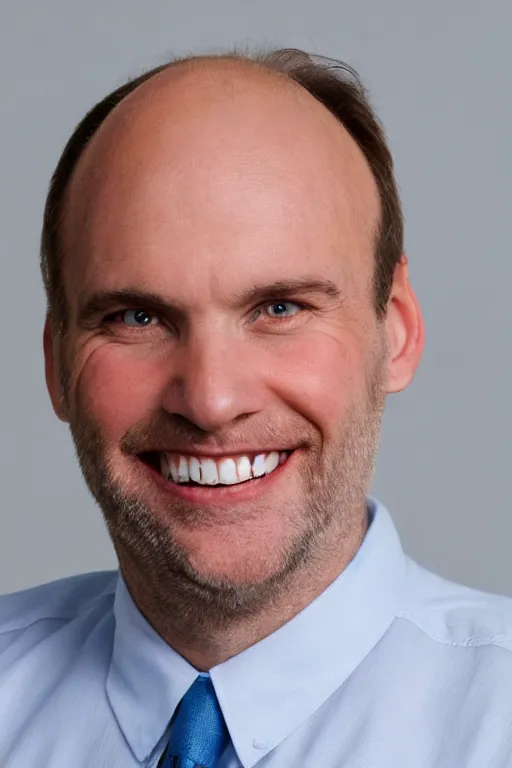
(390, 667)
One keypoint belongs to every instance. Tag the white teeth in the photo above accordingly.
(183, 470)
(243, 468)
(194, 469)
(271, 462)
(227, 472)
(258, 465)
(174, 472)
(209, 472)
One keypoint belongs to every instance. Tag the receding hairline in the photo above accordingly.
(256, 72)
(259, 74)
(330, 82)
(186, 67)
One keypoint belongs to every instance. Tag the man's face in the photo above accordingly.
(240, 221)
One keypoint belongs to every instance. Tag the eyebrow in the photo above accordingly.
(102, 301)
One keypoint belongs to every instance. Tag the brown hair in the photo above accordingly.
(333, 83)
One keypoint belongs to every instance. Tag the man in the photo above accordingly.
(228, 307)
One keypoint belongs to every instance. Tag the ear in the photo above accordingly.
(52, 364)
(404, 330)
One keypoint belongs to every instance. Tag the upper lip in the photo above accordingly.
(215, 454)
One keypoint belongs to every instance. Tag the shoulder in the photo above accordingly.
(456, 615)
(55, 654)
(57, 601)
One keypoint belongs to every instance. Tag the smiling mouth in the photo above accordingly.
(190, 470)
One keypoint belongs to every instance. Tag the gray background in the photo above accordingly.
(439, 73)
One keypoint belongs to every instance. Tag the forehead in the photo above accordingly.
(226, 170)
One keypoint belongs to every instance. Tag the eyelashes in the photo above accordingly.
(139, 319)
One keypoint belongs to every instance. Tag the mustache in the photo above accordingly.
(175, 432)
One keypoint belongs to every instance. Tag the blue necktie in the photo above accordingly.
(198, 735)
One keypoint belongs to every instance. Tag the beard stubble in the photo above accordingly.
(332, 514)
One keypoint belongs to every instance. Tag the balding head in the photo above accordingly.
(219, 156)
(206, 78)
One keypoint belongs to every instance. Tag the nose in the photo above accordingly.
(214, 381)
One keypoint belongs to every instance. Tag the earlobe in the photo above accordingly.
(53, 371)
(404, 329)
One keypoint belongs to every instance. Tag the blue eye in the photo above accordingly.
(137, 318)
(281, 306)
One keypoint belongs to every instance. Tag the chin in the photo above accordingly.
(229, 563)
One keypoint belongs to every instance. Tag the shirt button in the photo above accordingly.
(257, 744)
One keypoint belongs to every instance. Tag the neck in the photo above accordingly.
(201, 630)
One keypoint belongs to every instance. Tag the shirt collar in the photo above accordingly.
(147, 678)
(269, 689)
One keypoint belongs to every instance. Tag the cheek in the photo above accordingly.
(320, 377)
(115, 390)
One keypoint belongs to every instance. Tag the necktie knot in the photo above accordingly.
(199, 734)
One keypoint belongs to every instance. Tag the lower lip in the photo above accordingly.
(221, 493)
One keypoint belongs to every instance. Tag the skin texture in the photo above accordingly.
(209, 179)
